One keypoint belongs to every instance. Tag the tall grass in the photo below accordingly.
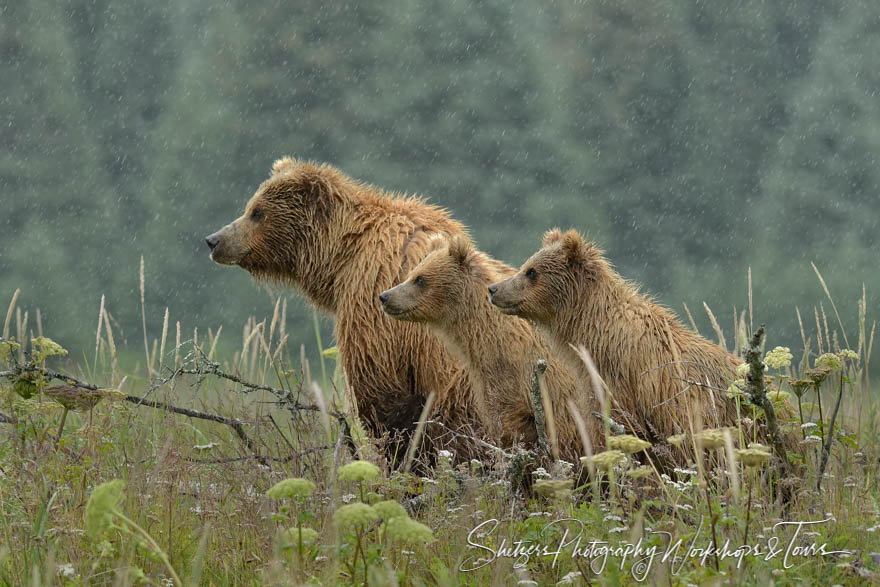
(199, 494)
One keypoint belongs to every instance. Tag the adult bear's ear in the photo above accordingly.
(282, 165)
(552, 236)
(459, 248)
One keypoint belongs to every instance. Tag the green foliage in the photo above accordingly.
(692, 140)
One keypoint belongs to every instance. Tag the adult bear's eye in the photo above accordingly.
(257, 214)
(531, 273)
(420, 281)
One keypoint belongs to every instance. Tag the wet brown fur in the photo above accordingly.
(341, 242)
(640, 349)
(448, 292)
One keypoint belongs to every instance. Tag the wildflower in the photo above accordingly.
(712, 437)
(73, 398)
(735, 389)
(848, 355)
(811, 439)
(818, 374)
(779, 357)
(444, 454)
(808, 425)
(7, 347)
(800, 386)
(778, 396)
(742, 370)
(291, 488)
(291, 537)
(46, 348)
(348, 497)
(32, 407)
(358, 471)
(541, 473)
(570, 578)
(355, 515)
(66, 570)
(564, 467)
(390, 509)
(628, 444)
(639, 472)
(681, 471)
(111, 394)
(754, 456)
(606, 460)
(553, 488)
(102, 505)
(409, 531)
(829, 360)
(677, 439)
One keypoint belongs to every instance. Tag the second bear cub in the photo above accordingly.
(448, 292)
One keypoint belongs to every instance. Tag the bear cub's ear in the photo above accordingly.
(576, 249)
(283, 164)
(552, 236)
(459, 248)
(436, 242)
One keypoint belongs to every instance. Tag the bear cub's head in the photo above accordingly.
(549, 279)
(440, 288)
(284, 215)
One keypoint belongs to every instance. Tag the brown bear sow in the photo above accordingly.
(643, 353)
(341, 242)
(447, 291)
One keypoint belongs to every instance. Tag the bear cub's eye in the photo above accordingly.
(420, 281)
(257, 214)
(531, 273)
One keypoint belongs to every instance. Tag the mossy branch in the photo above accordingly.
(758, 397)
(538, 404)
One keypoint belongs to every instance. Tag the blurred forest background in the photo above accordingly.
(691, 139)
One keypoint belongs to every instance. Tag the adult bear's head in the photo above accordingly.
(286, 233)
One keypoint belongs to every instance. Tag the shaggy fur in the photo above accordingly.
(447, 291)
(643, 353)
(340, 243)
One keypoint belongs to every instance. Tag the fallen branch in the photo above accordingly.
(238, 426)
(286, 459)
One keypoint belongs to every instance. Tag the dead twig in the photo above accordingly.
(286, 459)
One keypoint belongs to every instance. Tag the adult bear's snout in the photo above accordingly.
(493, 288)
(383, 297)
(212, 241)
